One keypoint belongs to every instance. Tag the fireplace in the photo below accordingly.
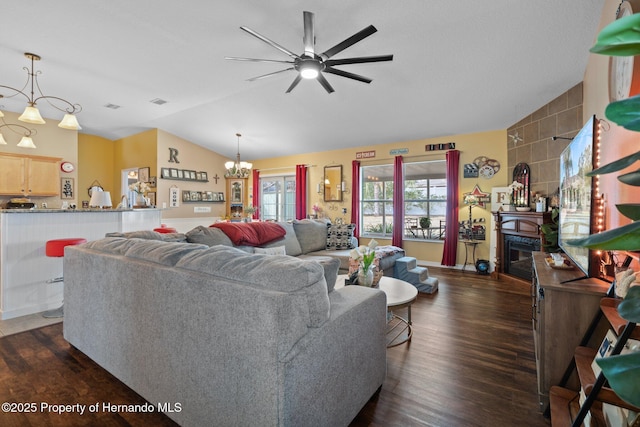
(518, 235)
(518, 256)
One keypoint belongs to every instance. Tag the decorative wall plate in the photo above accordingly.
(486, 172)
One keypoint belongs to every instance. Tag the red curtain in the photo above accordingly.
(301, 191)
(398, 202)
(355, 199)
(451, 231)
(256, 193)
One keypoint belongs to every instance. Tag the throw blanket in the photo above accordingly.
(251, 233)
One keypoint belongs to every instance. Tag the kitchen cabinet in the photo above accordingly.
(28, 176)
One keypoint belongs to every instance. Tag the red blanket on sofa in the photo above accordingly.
(251, 233)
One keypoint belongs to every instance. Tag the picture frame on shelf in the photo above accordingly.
(180, 174)
(152, 197)
(221, 196)
(165, 173)
(207, 196)
(204, 176)
(186, 196)
(174, 173)
(143, 174)
(196, 196)
(193, 175)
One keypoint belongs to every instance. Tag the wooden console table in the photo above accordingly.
(561, 314)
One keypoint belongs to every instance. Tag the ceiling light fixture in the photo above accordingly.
(26, 141)
(31, 113)
(238, 169)
(309, 68)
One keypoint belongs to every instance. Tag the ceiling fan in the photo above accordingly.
(311, 65)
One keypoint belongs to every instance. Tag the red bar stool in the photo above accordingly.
(55, 248)
(164, 229)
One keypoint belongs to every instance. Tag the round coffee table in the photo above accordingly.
(400, 294)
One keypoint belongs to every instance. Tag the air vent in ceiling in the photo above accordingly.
(158, 101)
(112, 106)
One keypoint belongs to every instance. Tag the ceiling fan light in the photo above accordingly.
(69, 121)
(309, 73)
(32, 115)
(26, 142)
(2, 141)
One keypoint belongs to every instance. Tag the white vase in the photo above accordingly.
(140, 201)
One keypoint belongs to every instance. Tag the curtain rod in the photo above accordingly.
(284, 167)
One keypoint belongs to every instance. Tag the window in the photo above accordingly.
(425, 196)
(278, 198)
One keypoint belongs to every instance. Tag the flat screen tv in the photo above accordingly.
(577, 197)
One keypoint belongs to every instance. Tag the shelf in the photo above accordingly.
(203, 201)
(565, 405)
(609, 307)
(186, 179)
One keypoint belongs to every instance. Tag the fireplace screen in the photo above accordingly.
(518, 255)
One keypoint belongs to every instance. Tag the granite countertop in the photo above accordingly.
(65, 210)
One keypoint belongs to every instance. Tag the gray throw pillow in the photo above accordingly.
(290, 241)
(312, 234)
(208, 236)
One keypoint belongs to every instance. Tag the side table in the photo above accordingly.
(469, 244)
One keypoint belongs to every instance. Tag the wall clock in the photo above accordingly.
(624, 71)
(67, 167)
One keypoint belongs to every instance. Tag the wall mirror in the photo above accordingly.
(333, 183)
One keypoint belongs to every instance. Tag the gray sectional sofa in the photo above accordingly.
(236, 339)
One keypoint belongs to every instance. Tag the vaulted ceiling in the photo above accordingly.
(458, 67)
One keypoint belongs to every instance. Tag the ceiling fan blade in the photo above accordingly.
(309, 38)
(325, 84)
(269, 75)
(347, 74)
(270, 42)
(234, 58)
(349, 42)
(359, 60)
(295, 83)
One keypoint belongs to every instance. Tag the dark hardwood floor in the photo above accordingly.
(470, 363)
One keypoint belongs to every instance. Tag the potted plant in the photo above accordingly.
(425, 222)
(621, 38)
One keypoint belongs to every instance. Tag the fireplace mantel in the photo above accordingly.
(521, 224)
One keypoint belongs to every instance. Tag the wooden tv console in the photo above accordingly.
(561, 315)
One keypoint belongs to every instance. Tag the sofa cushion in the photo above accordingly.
(340, 236)
(290, 241)
(273, 250)
(208, 236)
(165, 253)
(292, 276)
(330, 265)
(312, 234)
(150, 235)
(252, 233)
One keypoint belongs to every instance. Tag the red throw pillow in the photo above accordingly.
(251, 233)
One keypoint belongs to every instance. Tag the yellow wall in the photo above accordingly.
(491, 144)
(191, 157)
(95, 164)
(51, 141)
(135, 151)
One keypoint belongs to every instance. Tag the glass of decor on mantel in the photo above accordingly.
(365, 257)
(139, 188)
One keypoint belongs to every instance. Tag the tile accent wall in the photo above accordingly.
(560, 117)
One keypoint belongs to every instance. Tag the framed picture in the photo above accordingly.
(207, 196)
(203, 176)
(165, 173)
(220, 196)
(174, 173)
(174, 202)
(153, 181)
(214, 197)
(237, 188)
(193, 175)
(499, 197)
(143, 174)
(199, 176)
(66, 189)
(152, 197)
(186, 196)
(196, 196)
(180, 174)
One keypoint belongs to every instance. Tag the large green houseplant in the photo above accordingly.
(622, 38)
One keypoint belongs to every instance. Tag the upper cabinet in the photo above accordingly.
(29, 175)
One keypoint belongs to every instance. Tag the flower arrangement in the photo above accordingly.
(364, 255)
(471, 199)
(316, 208)
(139, 187)
(249, 209)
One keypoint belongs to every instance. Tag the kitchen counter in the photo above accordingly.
(24, 266)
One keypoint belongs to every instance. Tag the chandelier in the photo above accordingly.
(26, 141)
(31, 113)
(237, 169)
